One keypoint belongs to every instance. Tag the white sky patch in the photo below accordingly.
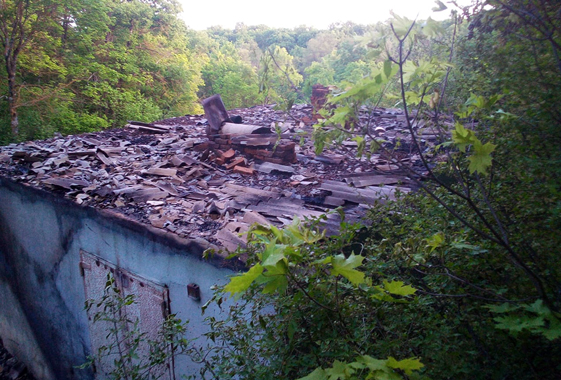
(199, 14)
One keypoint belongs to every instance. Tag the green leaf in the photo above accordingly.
(291, 330)
(345, 267)
(432, 27)
(361, 144)
(241, 282)
(275, 278)
(387, 68)
(401, 25)
(273, 253)
(406, 365)
(372, 364)
(398, 288)
(409, 71)
(554, 329)
(481, 159)
(539, 308)
(318, 374)
(462, 137)
(515, 324)
(340, 371)
(435, 241)
(502, 308)
(412, 97)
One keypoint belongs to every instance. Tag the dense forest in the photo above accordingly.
(73, 66)
(460, 280)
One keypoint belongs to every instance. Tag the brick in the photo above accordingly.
(251, 151)
(229, 154)
(201, 147)
(289, 154)
(237, 161)
(284, 146)
(243, 170)
(291, 158)
(278, 154)
(273, 160)
(218, 153)
(265, 153)
(222, 141)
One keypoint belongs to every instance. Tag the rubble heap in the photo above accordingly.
(253, 141)
(170, 175)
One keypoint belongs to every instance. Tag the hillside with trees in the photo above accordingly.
(459, 280)
(74, 66)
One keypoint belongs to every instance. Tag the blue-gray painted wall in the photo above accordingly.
(42, 316)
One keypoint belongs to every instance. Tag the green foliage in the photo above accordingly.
(97, 63)
(366, 367)
(463, 274)
(297, 309)
(342, 121)
(535, 317)
(278, 78)
(227, 74)
(481, 159)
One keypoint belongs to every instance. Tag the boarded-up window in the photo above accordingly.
(145, 316)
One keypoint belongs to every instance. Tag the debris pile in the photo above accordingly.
(251, 140)
(185, 176)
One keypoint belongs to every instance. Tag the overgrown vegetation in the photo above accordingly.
(460, 280)
(78, 65)
(74, 66)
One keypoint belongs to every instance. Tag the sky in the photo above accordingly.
(200, 14)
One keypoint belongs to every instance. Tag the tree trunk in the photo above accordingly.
(12, 96)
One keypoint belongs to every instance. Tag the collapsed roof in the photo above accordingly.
(172, 176)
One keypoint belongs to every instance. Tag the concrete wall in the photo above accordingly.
(42, 316)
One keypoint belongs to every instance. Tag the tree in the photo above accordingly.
(478, 243)
(278, 78)
(142, 68)
(320, 46)
(22, 22)
(82, 65)
(235, 80)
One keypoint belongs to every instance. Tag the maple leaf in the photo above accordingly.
(318, 374)
(407, 365)
(273, 253)
(463, 137)
(345, 267)
(515, 323)
(371, 363)
(481, 159)
(340, 371)
(435, 241)
(399, 288)
(275, 278)
(241, 282)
